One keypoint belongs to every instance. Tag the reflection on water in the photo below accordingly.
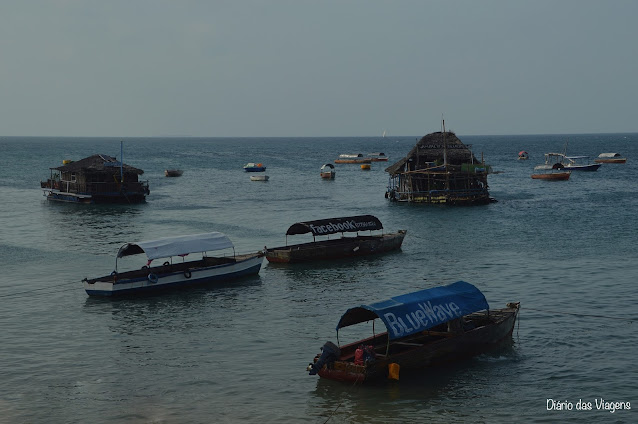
(104, 225)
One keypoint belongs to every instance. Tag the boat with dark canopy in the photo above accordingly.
(423, 328)
(342, 247)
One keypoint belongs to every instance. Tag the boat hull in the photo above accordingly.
(414, 355)
(359, 161)
(176, 276)
(619, 160)
(586, 168)
(556, 176)
(337, 248)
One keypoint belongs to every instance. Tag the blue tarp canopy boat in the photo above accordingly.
(427, 327)
(418, 311)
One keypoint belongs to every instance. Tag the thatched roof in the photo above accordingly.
(97, 163)
(431, 148)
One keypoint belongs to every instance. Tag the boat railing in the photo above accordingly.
(99, 187)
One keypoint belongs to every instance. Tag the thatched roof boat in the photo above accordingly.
(440, 168)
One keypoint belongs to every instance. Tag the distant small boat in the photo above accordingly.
(348, 158)
(610, 158)
(378, 157)
(327, 171)
(173, 172)
(365, 166)
(259, 178)
(254, 167)
(523, 155)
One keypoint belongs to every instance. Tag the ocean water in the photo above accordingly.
(237, 352)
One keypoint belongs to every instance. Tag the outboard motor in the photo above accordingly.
(330, 352)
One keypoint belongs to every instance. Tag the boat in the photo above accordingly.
(425, 328)
(610, 158)
(523, 155)
(365, 166)
(440, 169)
(350, 158)
(254, 167)
(170, 275)
(378, 157)
(580, 163)
(259, 178)
(95, 179)
(345, 246)
(173, 172)
(555, 172)
(327, 171)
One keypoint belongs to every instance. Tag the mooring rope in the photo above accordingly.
(38, 289)
(583, 315)
(340, 403)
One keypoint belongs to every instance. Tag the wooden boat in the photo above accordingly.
(259, 178)
(173, 172)
(171, 275)
(610, 158)
(357, 158)
(523, 155)
(425, 328)
(378, 157)
(327, 171)
(346, 246)
(555, 172)
(254, 167)
(95, 179)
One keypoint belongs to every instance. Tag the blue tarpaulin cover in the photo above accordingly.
(414, 312)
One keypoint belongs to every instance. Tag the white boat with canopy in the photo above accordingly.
(179, 273)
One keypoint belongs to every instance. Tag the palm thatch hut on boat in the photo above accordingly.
(96, 179)
(440, 168)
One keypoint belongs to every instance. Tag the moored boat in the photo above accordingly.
(424, 328)
(171, 275)
(365, 166)
(343, 247)
(254, 167)
(610, 158)
(327, 171)
(555, 172)
(95, 179)
(173, 172)
(353, 158)
(523, 155)
(378, 157)
(259, 178)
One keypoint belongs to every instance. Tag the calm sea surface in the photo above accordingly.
(237, 352)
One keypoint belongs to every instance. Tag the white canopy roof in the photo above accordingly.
(179, 245)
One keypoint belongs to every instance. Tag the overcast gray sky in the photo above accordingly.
(317, 68)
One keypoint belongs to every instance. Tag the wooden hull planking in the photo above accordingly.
(337, 248)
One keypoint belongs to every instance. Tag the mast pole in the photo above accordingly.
(121, 161)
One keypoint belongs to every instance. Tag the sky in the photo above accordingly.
(309, 68)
